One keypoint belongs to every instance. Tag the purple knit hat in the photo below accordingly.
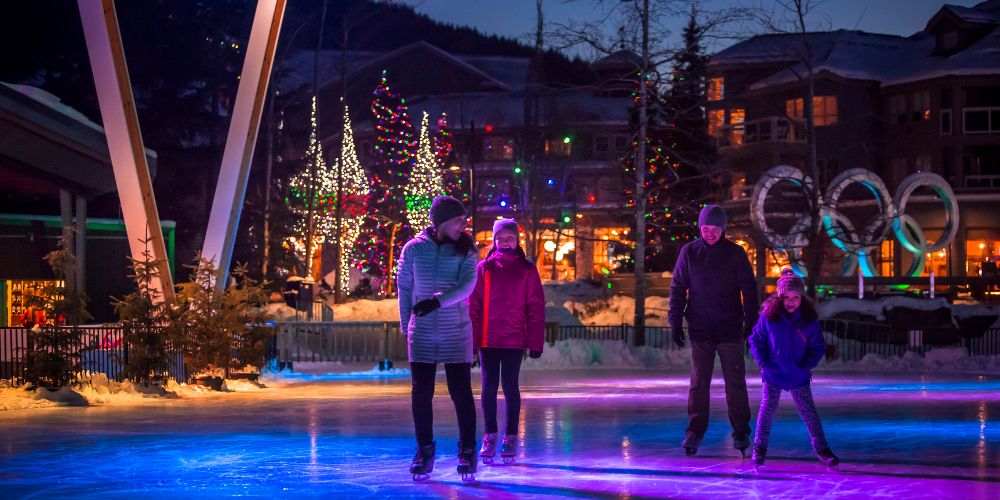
(506, 225)
(789, 281)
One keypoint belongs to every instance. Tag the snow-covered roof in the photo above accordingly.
(886, 59)
(857, 55)
(297, 70)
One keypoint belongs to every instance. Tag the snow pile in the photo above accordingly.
(576, 353)
(367, 310)
(312, 372)
(954, 359)
(96, 389)
(619, 309)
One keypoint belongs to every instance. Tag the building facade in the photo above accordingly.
(893, 105)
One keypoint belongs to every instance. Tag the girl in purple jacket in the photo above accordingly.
(787, 344)
(507, 308)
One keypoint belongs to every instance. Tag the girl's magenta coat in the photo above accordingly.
(507, 306)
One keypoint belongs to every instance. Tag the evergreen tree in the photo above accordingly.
(386, 228)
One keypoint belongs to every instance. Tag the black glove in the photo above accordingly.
(678, 334)
(426, 306)
(534, 354)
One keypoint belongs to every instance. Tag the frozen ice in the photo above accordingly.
(583, 434)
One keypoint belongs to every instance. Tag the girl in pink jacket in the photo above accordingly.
(507, 308)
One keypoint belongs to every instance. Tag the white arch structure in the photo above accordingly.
(121, 126)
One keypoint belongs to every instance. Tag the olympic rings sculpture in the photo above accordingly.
(858, 247)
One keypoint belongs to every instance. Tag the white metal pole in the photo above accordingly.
(121, 127)
(223, 222)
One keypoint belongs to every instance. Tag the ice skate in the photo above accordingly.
(423, 462)
(757, 457)
(467, 461)
(691, 444)
(489, 448)
(829, 459)
(508, 450)
(741, 443)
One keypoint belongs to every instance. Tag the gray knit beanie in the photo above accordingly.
(445, 208)
(712, 215)
(506, 225)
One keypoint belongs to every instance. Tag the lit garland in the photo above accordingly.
(313, 188)
(425, 182)
(394, 151)
(355, 201)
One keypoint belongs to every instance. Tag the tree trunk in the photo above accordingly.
(640, 189)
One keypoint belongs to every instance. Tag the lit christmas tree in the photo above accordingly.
(311, 195)
(425, 182)
(354, 203)
(454, 181)
(384, 230)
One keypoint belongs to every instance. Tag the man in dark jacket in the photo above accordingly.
(711, 276)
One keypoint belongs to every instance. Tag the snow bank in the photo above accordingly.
(95, 389)
(312, 372)
(576, 353)
(936, 360)
(619, 309)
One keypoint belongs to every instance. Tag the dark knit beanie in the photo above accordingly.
(506, 225)
(789, 281)
(712, 215)
(445, 208)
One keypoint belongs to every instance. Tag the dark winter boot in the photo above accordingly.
(828, 458)
(467, 461)
(741, 443)
(691, 444)
(423, 462)
(758, 456)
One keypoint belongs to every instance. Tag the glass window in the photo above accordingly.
(982, 256)
(558, 147)
(716, 119)
(921, 105)
(621, 143)
(946, 122)
(498, 148)
(602, 144)
(737, 117)
(716, 88)
(824, 109)
(606, 258)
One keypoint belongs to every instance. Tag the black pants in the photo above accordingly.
(501, 366)
(734, 373)
(459, 377)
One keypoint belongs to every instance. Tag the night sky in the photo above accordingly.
(515, 18)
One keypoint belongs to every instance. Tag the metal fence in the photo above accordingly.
(100, 349)
(849, 340)
(338, 341)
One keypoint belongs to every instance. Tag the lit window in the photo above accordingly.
(558, 147)
(736, 118)
(824, 109)
(716, 88)
(716, 119)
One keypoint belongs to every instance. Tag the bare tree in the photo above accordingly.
(643, 29)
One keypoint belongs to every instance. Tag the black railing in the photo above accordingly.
(103, 349)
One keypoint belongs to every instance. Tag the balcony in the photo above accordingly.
(773, 129)
(981, 120)
(981, 182)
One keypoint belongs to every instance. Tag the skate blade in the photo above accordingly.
(690, 451)
(487, 460)
(468, 477)
(419, 478)
(508, 460)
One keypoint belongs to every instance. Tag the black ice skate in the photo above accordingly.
(508, 450)
(691, 444)
(467, 461)
(489, 448)
(423, 462)
(741, 443)
(829, 459)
